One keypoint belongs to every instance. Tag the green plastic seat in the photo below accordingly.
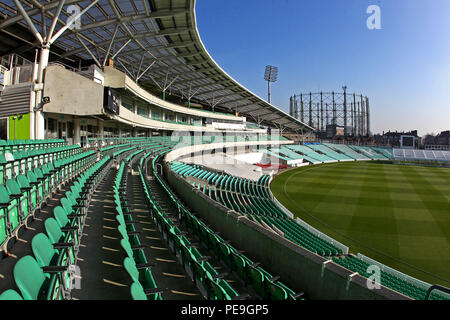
(137, 292)
(144, 277)
(32, 281)
(10, 294)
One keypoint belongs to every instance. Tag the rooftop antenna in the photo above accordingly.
(270, 75)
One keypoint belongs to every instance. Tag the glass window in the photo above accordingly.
(51, 128)
(156, 115)
(128, 104)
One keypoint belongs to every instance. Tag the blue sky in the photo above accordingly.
(404, 68)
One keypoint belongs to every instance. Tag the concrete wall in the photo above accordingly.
(71, 93)
(133, 119)
(298, 268)
(117, 79)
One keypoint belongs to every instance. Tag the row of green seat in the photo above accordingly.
(308, 152)
(342, 148)
(263, 283)
(196, 265)
(322, 149)
(252, 199)
(21, 145)
(22, 196)
(13, 164)
(387, 152)
(387, 279)
(143, 285)
(47, 274)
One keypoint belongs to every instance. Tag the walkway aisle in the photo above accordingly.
(101, 258)
(168, 273)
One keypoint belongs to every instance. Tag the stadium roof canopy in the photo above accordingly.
(155, 42)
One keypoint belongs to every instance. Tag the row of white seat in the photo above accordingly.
(415, 154)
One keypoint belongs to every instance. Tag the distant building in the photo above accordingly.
(398, 139)
(438, 142)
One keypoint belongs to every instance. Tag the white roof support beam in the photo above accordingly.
(89, 51)
(121, 48)
(29, 22)
(55, 19)
(67, 26)
(110, 44)
(32, 12)
(145, 71)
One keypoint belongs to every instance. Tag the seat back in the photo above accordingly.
(53, 230)
(130, 266)
(137, 291)
(67, 205)
(29, 277)
(61, 216)
(4, 195)
(23, 181)
(126, 246)
(10, 294)
(42, 249)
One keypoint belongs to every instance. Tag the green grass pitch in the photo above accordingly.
(398, 215)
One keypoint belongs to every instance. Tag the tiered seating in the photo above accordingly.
(20, 197)
(310, 153)
(387, 152)
(135, 263)
(46, 273)
(320, 148)
(265, 285)
(13, 164)
(414, 154)
(23, 145)
(252, 199)
(275, 152)
(367, 151)
(193, 261)
(387, 279)
(347, 151)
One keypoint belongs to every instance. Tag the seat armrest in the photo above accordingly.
(141, 266)
(133, 233)
(139, 246)
(219, 276)
(75, 215)
(54, 269)
(71, 228)
(62, 245)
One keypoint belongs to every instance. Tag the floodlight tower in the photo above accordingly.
(271, 75)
